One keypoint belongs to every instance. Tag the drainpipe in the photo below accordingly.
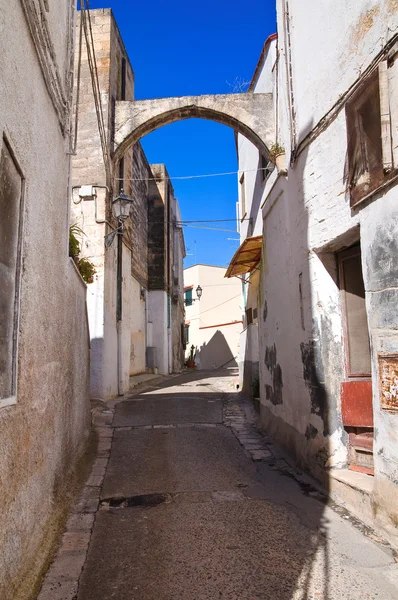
(119, 307)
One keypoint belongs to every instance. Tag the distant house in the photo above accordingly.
(213, 322)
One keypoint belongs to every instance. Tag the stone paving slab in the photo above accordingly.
(167, 410)
(170, 460)
(207, 512)
(236, 550)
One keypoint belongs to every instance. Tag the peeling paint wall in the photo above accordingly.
(250, 164)
(307, 218)
(44, 432)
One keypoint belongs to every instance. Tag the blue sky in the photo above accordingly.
(181, 48)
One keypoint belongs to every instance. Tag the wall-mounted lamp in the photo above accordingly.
(121, 206)
(190, 300)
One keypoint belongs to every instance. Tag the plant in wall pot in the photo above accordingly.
(278, 156)
(85, 267)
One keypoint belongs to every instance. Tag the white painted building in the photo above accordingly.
(213, 323)
(327, 288)
(44, 343)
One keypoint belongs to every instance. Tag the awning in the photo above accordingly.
(246, 258)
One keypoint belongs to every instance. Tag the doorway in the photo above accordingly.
(356, 390)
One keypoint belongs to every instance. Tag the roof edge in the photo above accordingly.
(260, 62)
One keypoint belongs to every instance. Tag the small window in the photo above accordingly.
(188, 297)
(242, 197)
(112, 125)
(267, 167)
(187, 334)
(121, 174)
(366, 171)
(354, 313)
(123, 80)
(249, 316)
(11, 199)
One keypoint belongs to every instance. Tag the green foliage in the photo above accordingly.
(275, 151)
(86, 268)
(74, 246)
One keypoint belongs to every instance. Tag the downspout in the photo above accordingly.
(289, 77)
(119, 300)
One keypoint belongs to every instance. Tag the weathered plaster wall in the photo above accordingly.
(137, 327)
(251, 224)
(348, 45)
(43, 434)
(306, 219)
(157, 325)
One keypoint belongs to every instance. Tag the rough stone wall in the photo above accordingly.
(138, 232)
(88, 169)
(44, 432)
(157, 230)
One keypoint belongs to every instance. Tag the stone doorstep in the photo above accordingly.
(353, 491)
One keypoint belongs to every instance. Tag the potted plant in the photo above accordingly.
(191, 358)
(85, 267)
(74, 245)
(278, 156)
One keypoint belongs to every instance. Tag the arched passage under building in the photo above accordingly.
(250, 114)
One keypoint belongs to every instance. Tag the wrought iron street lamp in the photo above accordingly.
(199, 292)
(121, 207)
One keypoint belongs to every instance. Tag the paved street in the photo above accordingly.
(195, 503)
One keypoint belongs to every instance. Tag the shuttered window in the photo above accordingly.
(369, 140)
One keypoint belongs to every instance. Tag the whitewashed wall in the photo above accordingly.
(306, 219)
(43, 433)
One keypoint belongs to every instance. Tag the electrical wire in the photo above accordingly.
(217, 305)
(209, 228)
(170, 177)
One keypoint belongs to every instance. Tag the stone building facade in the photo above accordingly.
(44, 343)
(327, 284)
(143, 252)
(165, 266)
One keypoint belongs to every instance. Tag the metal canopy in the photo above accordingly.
(246, 258)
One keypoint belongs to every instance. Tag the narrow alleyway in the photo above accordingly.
(196, 503)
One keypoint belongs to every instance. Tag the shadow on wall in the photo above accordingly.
(292, 331)
(96, 358)
(215, 353)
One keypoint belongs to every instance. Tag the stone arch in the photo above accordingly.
(250, 114)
